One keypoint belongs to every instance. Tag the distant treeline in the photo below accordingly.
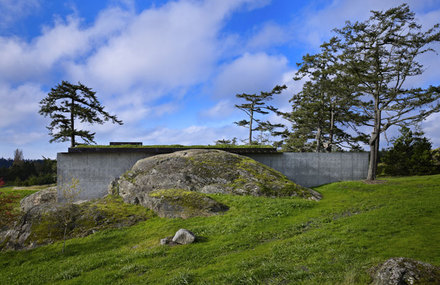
(28, 172)
(6, 162)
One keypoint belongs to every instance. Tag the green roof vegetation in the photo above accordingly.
(175, 146)
(259, 240)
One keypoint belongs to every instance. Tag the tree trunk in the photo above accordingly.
(72, 125)
(250, 125)
(374, 144)
(372, 166)
(318, 140)
(332, 124)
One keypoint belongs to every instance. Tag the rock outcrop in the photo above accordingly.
(45, 223)
(46, 196)
(204, 171)
(405, 271)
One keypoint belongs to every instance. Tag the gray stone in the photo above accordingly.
(178, 203)
(46, 196)
(206, 171)
(405, 271)
(167, 241)
(184, 236)
(45, 223)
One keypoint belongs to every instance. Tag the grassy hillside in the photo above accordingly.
(258, 241)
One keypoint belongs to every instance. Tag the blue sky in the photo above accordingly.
(169, 69)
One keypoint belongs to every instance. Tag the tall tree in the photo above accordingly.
(18, 157)
(324, 109)
(380, 55)
(67, 103)
(256, 104)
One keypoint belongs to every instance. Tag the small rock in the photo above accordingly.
(167, 241)
(184, 236)
(405, 271)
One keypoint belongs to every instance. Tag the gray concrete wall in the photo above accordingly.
(313, 169)
(95, 171)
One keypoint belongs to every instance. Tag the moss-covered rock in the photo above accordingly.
(179, 203)
(204, 171)
(403, 271)
(46, 223)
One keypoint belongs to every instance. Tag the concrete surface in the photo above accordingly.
(95, 171)
(311, 169)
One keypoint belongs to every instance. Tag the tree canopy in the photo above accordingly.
(68, 103)
(324, 109)
(379, 56)
(256, 104)
(410, 155)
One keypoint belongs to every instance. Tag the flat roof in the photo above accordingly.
(163, 150)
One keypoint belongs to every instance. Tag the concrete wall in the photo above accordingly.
(95, 171)
(313, 169)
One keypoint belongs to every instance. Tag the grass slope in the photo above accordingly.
(258, 241)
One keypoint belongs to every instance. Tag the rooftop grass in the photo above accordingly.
(175, 146)
(258, 241)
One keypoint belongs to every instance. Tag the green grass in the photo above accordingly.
(176, 146)
(10, 202)
(258, 241)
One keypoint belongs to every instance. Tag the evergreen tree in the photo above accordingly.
(410, 155)
(67, 103)
(256, 104)
(379, 56)
(18, 157)
(324, 109)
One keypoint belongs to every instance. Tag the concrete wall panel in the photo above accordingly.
(95, 171)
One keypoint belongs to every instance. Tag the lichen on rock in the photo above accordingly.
(179, 203)
(45, 223)
(205, 171)
(405, 271)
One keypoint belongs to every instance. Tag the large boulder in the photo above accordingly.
(405, 271)
(48, 222)
(46, 196)
(204, 171)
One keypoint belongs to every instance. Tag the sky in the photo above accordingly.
(169, 70)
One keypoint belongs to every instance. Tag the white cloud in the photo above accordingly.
(319, 21)
(269, 35)
(250, 73)
(19, 105)
(431, 127)
(175, 45)
(66, 40)
(192, 135)
(220, 110)
(13, 10)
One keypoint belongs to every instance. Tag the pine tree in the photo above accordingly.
(379, 56)
(256, 104)
(18, 157)
(323, 110)
(68, 103)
